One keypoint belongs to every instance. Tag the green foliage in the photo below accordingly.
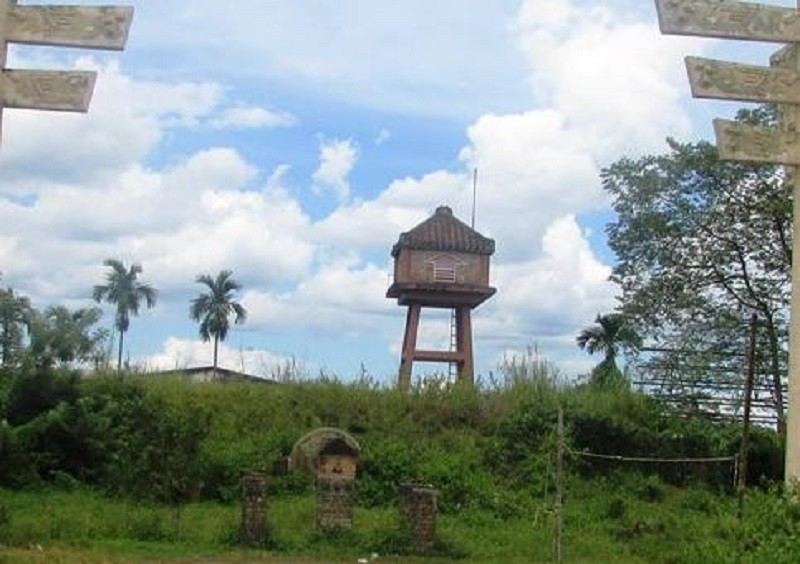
(699, 240)
(55, 336)
(489, 452)
(60, 336)
(651, 490)
(607, 375)
(772, 529)
(612, 334)
(5, 523)
(616, 509)
(172, 440)
(113, 433)
(149, 448)
(34, 392)
(14, 313)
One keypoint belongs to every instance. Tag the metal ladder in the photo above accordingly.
(453, 344)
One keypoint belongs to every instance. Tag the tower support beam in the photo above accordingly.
(462, 356)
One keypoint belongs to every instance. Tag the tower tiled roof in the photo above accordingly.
(444, 232)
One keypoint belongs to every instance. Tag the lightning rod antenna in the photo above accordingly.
(474, 194)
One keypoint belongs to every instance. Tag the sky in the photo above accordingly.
(292, 143)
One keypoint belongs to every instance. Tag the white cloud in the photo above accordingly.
(532, 168)
(126, 121)
(181, 353)
(196, 216)
(336, 160)
(342, 295)
(563, 288)
(451, 62)
(376, 224)
(613, 76)
(538, 165)
(603, 84)
(538, 169)
(241, 117)
(383, 136)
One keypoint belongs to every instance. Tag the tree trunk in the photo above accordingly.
(216, 344)
(5, 345)
(777, 385)
(119, 353)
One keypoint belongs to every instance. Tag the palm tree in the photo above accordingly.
(123, 289)
(610, 335)
(212, 309)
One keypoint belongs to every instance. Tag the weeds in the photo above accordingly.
(488, 451)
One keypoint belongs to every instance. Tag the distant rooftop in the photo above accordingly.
(206, 374)
(444, 232)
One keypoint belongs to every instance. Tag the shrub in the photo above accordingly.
(5, 523)
(36, 391)
(651, 490)
(616, 509)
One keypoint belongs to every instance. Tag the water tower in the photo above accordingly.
(441, 263)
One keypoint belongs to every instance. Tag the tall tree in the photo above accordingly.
(14, 314)
(62, 336)
(214, 308)
(700, 244)
(611, 334)
(126, 292)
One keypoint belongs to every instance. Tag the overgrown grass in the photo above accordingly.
(605, 521)
(139, 468)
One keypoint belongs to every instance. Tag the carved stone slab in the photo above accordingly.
(101, 27)
(785, 57)
(729, 20)
(748, 83)
(736, 141)
(66, 91)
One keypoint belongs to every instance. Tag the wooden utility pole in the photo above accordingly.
(98, 27)
(558, 538)
(779, 84)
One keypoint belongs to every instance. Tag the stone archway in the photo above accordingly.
(331, 456)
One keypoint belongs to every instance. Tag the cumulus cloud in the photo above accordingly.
(376, 224)
(603, 84)
(242, 117)
(532, 167)
(612, 76)
(342, 295)
(367, 54)
(556, 291)
(127, 119)
(199, 213)
(538, 169)
(336, 160)
(183, 353)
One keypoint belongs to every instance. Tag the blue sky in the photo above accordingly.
(292, 142)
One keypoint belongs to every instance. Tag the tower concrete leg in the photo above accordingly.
(409, 346)
(466, 367)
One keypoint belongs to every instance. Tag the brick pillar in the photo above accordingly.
(335, 494)
(254, 509)
(404, 503)
(417, 505)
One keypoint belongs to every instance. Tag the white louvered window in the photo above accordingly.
(444, 269)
